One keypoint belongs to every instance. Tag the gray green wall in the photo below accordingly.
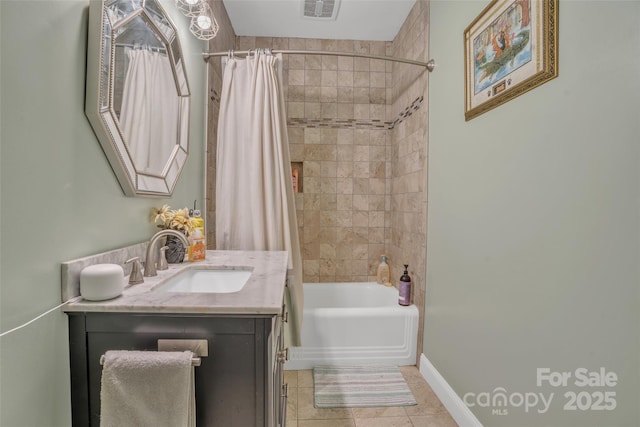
(533, 219)
(59, 198)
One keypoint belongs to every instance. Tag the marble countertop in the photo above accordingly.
(262, 294)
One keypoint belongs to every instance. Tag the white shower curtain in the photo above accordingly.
(254, 195)
(150, 107)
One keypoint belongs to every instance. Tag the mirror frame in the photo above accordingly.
(99, 105)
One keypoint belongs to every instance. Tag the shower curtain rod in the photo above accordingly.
(430, 65)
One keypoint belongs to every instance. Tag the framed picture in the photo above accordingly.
(509, 49)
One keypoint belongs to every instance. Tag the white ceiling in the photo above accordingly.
(377, 20)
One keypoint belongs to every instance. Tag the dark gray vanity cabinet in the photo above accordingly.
(240, 383)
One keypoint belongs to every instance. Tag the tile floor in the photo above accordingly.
(428, 413)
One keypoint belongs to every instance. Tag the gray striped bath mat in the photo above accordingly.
(360, 387)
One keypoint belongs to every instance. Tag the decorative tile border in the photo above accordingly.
(372, 124)
(334, 123)
(407, 112)
(215, 97)
(338, 123)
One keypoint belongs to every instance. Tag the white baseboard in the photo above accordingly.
(456, 407)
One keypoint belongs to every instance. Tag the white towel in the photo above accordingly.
(147, 388)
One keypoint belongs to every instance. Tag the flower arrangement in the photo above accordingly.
(175, 219)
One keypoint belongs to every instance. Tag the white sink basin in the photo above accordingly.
(219, 281)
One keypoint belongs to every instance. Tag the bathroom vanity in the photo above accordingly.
(239, 383)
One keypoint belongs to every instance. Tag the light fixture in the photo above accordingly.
(190, 8)
(203, 24)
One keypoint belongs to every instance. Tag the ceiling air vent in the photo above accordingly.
(320, 9)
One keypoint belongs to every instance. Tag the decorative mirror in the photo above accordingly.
(137, 95)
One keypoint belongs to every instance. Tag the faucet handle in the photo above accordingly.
(136, 271)
(162, 262)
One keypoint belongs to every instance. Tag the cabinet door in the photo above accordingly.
(279, 388)
(226, 380)
(273, 378)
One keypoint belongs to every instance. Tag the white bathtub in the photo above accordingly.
(355, 324)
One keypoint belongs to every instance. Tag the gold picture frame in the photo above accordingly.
(509, 49)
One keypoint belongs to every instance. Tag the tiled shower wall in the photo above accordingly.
(336, 109)
(408, 139)
(359, 127)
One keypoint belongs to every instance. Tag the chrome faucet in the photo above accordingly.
(150, 269)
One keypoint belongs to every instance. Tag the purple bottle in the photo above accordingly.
(404, 287)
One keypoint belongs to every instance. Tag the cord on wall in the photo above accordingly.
(39, 317)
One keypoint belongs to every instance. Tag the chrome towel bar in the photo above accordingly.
(199, 348)
(195, 361)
